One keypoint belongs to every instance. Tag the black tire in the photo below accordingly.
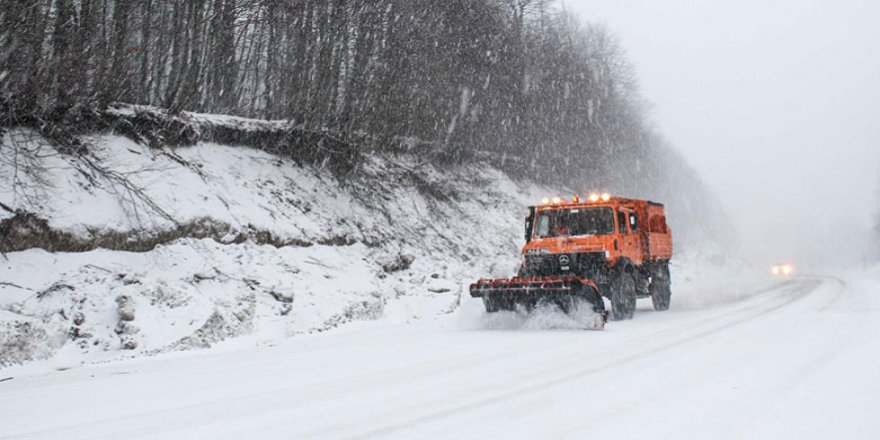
(661, 296)
(661, 293)
(623, 296)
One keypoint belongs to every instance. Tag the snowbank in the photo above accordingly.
(182, 248)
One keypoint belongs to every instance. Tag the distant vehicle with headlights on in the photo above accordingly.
(782, 269)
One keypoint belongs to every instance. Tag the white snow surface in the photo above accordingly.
(795, 358)
(347, 233)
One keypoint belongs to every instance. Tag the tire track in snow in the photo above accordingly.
(715, 325)
(771, 335)
(276, 402)
(181, 417)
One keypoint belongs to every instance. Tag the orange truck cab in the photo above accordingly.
(605, 246)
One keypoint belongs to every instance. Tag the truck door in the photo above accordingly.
(640, 238)
(629, 244)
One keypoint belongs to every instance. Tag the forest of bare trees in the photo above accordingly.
(516, 81)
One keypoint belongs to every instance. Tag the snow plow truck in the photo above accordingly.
(580, 251)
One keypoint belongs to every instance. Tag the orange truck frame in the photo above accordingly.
(584, 250)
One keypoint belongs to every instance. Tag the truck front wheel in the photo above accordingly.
(623, 296)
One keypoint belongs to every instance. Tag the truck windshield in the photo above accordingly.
(574, 222)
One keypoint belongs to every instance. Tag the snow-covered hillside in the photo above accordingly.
(187, 247)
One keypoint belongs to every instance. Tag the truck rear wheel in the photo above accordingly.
(661, 293)
(623, 296)
(661, 297)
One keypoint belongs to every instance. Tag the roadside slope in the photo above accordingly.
(182, 248)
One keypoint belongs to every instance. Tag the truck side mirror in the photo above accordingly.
(530, 223)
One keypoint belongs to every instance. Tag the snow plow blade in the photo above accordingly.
(565, 291)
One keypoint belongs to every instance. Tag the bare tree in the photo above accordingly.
(515, 81)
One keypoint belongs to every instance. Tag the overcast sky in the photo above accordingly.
(775, 102)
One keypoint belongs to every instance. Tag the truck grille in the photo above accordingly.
(586, 264)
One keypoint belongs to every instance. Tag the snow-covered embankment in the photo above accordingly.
(183, 248)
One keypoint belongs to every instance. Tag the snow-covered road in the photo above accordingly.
(796, 359)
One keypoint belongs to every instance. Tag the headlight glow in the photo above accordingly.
(783, 269)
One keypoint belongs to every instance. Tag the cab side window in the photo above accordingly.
(621, 223)
(634, 222)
